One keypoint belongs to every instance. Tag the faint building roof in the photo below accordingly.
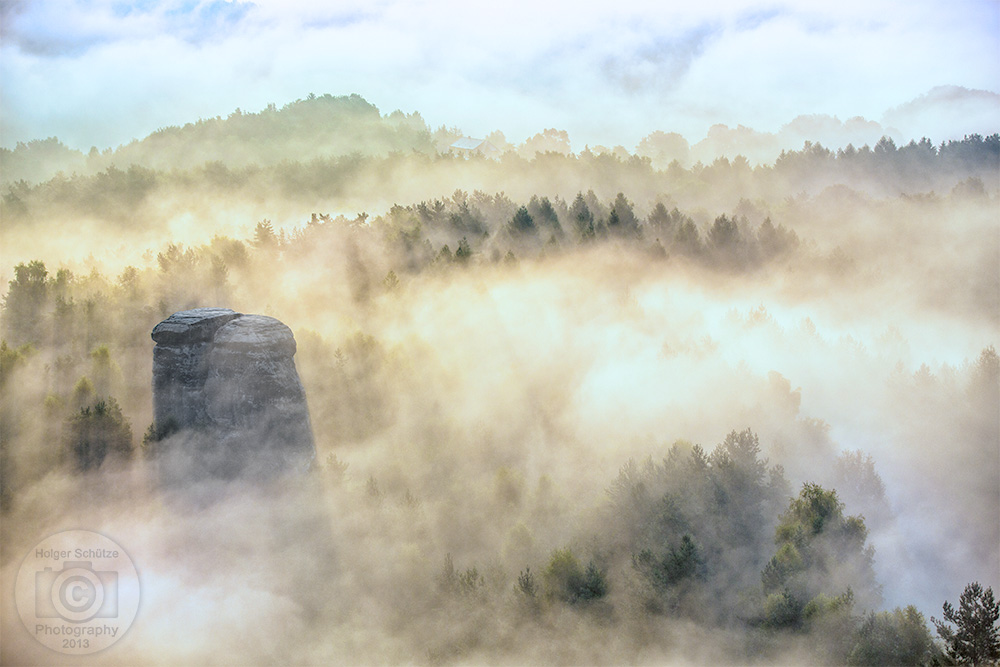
(478, 145)
(468, 143)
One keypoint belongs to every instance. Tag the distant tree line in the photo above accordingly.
(326, 127)
(130, 191)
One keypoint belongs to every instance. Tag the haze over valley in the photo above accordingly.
(635, 383)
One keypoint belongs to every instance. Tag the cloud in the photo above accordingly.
(754, 18)
(972, 110)
(198, 22)
(44, 30)
(54, 29)
(104, 72)
(660, 61)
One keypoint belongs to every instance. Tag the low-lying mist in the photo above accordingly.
(494, 395)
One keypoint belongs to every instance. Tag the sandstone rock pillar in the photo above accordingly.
(226, 391)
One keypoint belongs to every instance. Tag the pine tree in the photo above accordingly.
(521, 223)
(583, 219)
(97, 431)
(976, 637)
(464, 253)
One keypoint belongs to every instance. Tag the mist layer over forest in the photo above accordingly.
(591, 407)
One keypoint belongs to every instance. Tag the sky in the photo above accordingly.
(104, 72)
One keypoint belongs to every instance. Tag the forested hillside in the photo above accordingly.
(576, 407)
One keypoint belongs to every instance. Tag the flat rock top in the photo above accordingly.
(194, 326)
(258, 332)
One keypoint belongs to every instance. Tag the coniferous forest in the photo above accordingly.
(662, 404)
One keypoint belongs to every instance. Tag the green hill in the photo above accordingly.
(315, 127)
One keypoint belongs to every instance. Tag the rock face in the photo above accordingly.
(226, 389)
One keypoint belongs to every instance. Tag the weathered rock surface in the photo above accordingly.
(180, 365)
(225, 386)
